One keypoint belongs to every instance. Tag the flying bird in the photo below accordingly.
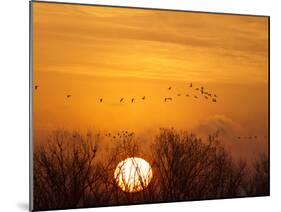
(195, 96)
(101, 100)
(170, 88)
(132, 100)
(68, 96)
(143, 98)
(190, 85)
(197, 89)
(168, 98)
(179, 94)
(36, 86)
(186, 94)
(121, 99)
(214, 100)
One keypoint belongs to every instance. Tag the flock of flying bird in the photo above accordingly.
(121, 134)
(205, 94)
(123, 99)
(200, 90)
(255, 137)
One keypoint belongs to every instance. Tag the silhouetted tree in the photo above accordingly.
(189, 168)
(68, 173)
(64, 170)
(258, 184)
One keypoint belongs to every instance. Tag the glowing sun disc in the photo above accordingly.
(133, 174)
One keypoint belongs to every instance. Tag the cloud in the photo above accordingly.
(219, 123)
(113, 41)
(229, 131)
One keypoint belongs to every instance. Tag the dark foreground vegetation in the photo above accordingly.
(72, 170)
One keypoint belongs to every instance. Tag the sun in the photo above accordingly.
(133, 174)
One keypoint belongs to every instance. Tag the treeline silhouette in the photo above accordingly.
(71, 170)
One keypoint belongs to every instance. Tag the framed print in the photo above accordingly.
(138, 105)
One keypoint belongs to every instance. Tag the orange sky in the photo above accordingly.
(102, 52)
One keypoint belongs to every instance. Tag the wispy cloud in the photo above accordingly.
(144, 43)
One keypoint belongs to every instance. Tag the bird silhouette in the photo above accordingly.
(190, 85)
(215, 95)
(68, 96)
(170, 88)
(143, 98)
(101, 100)
(36, 86)
(132, 100)
(195, 96)
(214, 100)
(179, 94)
(121, 99)
(197, 89)
(186, 94)
(168, 98)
